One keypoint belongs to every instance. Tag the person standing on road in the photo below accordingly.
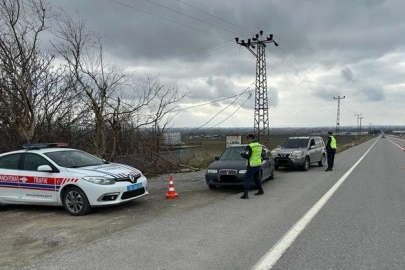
(253, 156)
(331, 146)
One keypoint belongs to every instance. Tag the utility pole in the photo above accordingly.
(357, 127)
(360, 123)
(338, 115)
(261, 122)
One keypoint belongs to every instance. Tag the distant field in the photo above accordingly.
(202, 156)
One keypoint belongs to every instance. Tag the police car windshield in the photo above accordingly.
(74, 159)
(232, 153)
(295, 143)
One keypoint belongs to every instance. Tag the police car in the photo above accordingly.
(51, 174)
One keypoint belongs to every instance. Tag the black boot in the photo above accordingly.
(259, 192)
(245, 195)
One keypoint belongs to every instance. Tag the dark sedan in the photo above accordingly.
(229, 169)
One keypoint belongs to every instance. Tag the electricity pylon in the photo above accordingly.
(338, 115)
(261, 126)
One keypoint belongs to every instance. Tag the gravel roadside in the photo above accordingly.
(30, 233)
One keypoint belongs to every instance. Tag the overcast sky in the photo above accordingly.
(327, 48)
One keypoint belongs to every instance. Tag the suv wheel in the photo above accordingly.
(305, 166)
(321, 163)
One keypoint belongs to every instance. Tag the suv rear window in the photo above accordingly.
(295, 143)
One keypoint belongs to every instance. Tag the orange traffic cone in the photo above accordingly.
(171, 194)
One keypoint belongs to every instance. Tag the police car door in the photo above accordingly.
(36, 186)
(9, 182)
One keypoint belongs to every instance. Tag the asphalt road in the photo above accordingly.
(359, 226)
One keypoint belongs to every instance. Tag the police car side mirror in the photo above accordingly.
(45, 168)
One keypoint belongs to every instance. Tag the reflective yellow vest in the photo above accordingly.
(333, 144)
(256, 157)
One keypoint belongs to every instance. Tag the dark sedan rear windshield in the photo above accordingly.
(295, 143)
(232, 153)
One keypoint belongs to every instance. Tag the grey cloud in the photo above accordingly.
(347, 74)
(354, 47)
(373, 92)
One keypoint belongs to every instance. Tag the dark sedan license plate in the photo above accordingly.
(135, 186)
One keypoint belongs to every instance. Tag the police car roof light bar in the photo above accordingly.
(43, 145)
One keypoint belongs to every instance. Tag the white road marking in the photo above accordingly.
(402, 148)
(274, 254)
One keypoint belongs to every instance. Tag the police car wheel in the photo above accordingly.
(75, 202)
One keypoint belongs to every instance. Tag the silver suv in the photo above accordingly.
(300, 152)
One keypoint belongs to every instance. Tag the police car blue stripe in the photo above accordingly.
(9, 184)
(33, 188)
(23, 185)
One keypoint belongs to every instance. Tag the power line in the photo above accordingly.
(234, 111)
(207, 103)
(181, 55)
(250, 31)
(152, 14)
(194, 18)
(190, 58)
(319, 84)
(212, 118)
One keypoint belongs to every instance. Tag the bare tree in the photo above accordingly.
(25, 72)
(112, 96)
(97, 82)
(59, 111)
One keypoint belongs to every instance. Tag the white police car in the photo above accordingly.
(47, 174)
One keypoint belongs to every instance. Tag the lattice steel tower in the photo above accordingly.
(261, 125)
(338, 115)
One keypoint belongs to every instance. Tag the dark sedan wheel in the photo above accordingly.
(212, 186)
(75, 201)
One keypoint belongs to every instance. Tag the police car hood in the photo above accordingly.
(114, 170)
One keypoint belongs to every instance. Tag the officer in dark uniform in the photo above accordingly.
(253, 156)
(331, 146)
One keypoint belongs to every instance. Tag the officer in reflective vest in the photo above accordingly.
(331, 146)
(253, 156)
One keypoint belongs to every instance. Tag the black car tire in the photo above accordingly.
(276, 167)
(212, 186)
(75, 201)
(321, 163)
(305, 166)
